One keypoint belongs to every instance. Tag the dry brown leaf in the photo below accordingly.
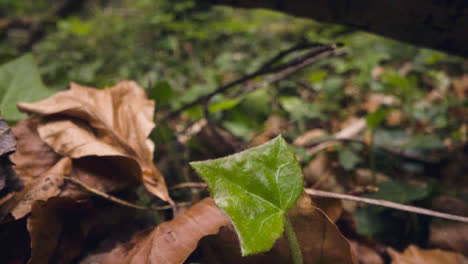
(311, 224)
(46, 186)
(273, 127)
(415, 255)
(33, 156)
(319, 239)
(59, 227)
(32, 159)
(333, 208)
(365, 254)
(308, 136)
(113, 122)
(173, 241)
(449, 235)
(374, 101)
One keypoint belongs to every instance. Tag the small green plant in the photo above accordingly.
(256, 188)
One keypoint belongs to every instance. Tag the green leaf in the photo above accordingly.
(374, 119)
(223, 105)
(20, 81)
(348, 159)
(255, 188)
(161, 92)
(400, 192)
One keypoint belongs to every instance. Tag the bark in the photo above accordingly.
(437, 24)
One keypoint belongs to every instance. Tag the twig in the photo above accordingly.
(287, 72)
(378, 202)
(118, 200)
(200, 185)
(35, 26)
(384, 203)
(263, 70)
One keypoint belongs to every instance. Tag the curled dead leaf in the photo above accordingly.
(114, 122)
(173, 241)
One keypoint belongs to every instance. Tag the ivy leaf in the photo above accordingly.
(255, 188)
(20, 81)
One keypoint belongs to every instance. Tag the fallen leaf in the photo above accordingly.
(333, 208)
(373, 101)
(365, 254)
(415, 255)
(61, 227)
(319, 239)
(312, 224)
(173, 241)
(309, 136)
(449, 235)
(114, 122)
(46, 186)
(273, 127)
(33, 156)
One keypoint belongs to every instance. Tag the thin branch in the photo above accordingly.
(118, 200)
(200, 185)
(266, 68)
(378, 202)
(287, 72)
(384, 203)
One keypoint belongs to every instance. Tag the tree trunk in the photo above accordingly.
(437, 24)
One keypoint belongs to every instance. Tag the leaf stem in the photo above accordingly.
(293, 243)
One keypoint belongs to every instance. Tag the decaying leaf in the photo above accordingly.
(59, 227)
(415, 255)
(319, 239)
(46, 186)
(333, 208)
(173, 241)
(33, 156)
(312, 224)
(113, 122)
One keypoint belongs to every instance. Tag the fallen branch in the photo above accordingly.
(378, 202)
(384, 203)
(118, 200)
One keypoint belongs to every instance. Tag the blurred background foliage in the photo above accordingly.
(413, 99)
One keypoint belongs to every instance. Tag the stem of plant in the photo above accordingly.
(372, 157)
(293, 243)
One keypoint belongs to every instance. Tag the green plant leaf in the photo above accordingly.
(255, 188)
(348, 159)
(161, 92)
(374, 119)
(223, 105)
(20, 81)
